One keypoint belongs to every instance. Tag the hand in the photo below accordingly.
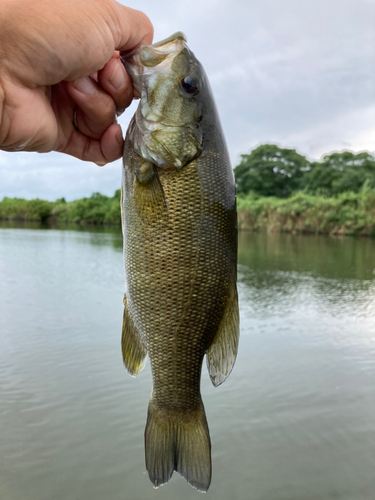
(48, 50)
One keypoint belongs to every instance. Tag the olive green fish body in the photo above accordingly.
(180, 254)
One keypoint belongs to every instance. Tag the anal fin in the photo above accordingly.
(133, 349)
(221, 355)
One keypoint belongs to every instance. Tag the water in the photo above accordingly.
(294, 421)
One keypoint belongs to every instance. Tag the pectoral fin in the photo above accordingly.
(133, 349)
(148, 189)
(222, 353)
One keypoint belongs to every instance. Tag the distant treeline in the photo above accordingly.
(272, 171)
(98, 209)
(278, 190)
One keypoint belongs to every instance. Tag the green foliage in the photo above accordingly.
(270, 171)
(348, 213)
(98, 209)
(20, 209)
(340, 172)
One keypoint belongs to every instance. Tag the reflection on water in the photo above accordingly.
(324, 256)
(282, 271)
(294, 421)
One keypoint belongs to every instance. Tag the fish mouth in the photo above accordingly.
(155, 58)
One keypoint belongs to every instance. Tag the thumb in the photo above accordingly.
(131, 28)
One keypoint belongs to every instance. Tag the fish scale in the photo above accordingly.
(180, 251)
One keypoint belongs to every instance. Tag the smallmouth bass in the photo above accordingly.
(180, 254)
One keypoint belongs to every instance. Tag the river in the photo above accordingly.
(294, 421)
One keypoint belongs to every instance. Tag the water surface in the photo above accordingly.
(294, 421)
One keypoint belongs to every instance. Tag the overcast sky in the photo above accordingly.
(297, 73)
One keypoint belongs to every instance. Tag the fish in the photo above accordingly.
(179, 225)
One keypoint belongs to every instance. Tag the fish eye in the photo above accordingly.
(189, 85)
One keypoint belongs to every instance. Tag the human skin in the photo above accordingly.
(48, 50)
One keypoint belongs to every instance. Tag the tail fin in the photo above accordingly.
(178, 442)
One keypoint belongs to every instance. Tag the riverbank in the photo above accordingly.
(347, 214)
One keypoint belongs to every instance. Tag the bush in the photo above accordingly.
(349, 213)
(98, 209)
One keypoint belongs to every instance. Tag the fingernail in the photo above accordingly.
(117, 79)
(119, 138)
(85, 85)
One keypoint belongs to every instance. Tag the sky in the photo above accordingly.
(296, 73)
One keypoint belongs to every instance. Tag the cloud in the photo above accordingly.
(53, 176)
(296, 72)
(353, 130)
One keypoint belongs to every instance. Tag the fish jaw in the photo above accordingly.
(166, 130)
(152, 59)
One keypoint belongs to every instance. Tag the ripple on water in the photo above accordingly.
(293, 421)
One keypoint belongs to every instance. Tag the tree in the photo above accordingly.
(339, 172)
(270, 171)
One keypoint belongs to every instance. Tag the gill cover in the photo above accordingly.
(166, 130)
